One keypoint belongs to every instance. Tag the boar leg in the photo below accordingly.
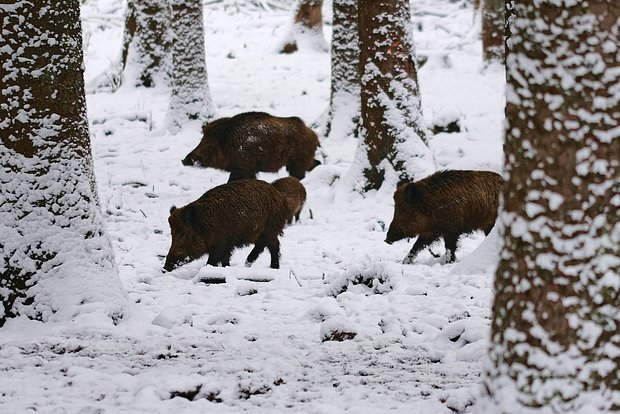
(274, 249)
(237, 174)
(214, 257)
(225, 257)
(296, 171)
(219, 255)
(488, 229)
(418, 246)
(450, 243)
(256, 251)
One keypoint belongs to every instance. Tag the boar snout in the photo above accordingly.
(393, 235)
(172, 264)
(187, 161)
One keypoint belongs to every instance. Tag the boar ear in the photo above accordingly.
(173, 209)
(190, 216)
(411, 193)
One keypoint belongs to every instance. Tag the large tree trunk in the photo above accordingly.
(493, 31)
(190, 98)
(344, 101)
(307, 27)
(146, 40)
(55, 258)
(392, 124)
(555, 342)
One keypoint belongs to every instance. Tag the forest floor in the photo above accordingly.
(237, 339)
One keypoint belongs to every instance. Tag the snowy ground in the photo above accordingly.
(237, 339)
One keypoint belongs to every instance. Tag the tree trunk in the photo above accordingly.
(555, 343)
(55, 258)
(344, 101)
(307, 26)
(493, 30)
(392, 124)
(146, 41)
(190, 98)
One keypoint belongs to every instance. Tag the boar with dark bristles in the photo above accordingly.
(444, 205)
(256, 141)
(224, 218)
(294, 193)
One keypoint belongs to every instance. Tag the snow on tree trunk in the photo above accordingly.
(344, 102)
(146, 41)
(56, 261)
(392, 128)
(307, 28)
(556, 320)
(190, 97)
(493, 30)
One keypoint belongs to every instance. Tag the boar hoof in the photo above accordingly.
(435, 255)
(408, 259)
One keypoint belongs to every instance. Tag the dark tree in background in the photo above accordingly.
(344, 101)
(493, 30)
(190, 97)
(146, 40)
(556, 320)
(55, 258)
(308, 25)
(393, 128)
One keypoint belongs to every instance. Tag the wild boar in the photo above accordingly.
(294, 193)
(224, 218)
(256, 141)
(444, 205)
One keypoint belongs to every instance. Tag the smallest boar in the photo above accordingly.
(444, 205)
(294, 193)
(256, 141)
(227, 217)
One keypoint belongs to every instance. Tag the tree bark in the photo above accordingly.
(190, 97)
(344, 101)
(55, 258)
(555, 343)
(308, 23)
(146, 41)
(493, 30)
(392, 124)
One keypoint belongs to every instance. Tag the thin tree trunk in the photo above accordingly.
(493, 30)
(555, 343)
(190, 98)
(344, 101)
(146, 41)
(55, 258)
(308, 23)
(392, 124)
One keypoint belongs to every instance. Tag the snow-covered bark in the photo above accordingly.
(190, 97)
(392, 124)
(307, 28)
(56, 261)
(556, 316)
(493, 30)
(344, 102)
(146, 41)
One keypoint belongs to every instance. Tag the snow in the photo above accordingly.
(250, 339)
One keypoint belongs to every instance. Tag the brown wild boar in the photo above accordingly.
(224, 218)
(256, 141)
(294, 193)
(444, 205)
